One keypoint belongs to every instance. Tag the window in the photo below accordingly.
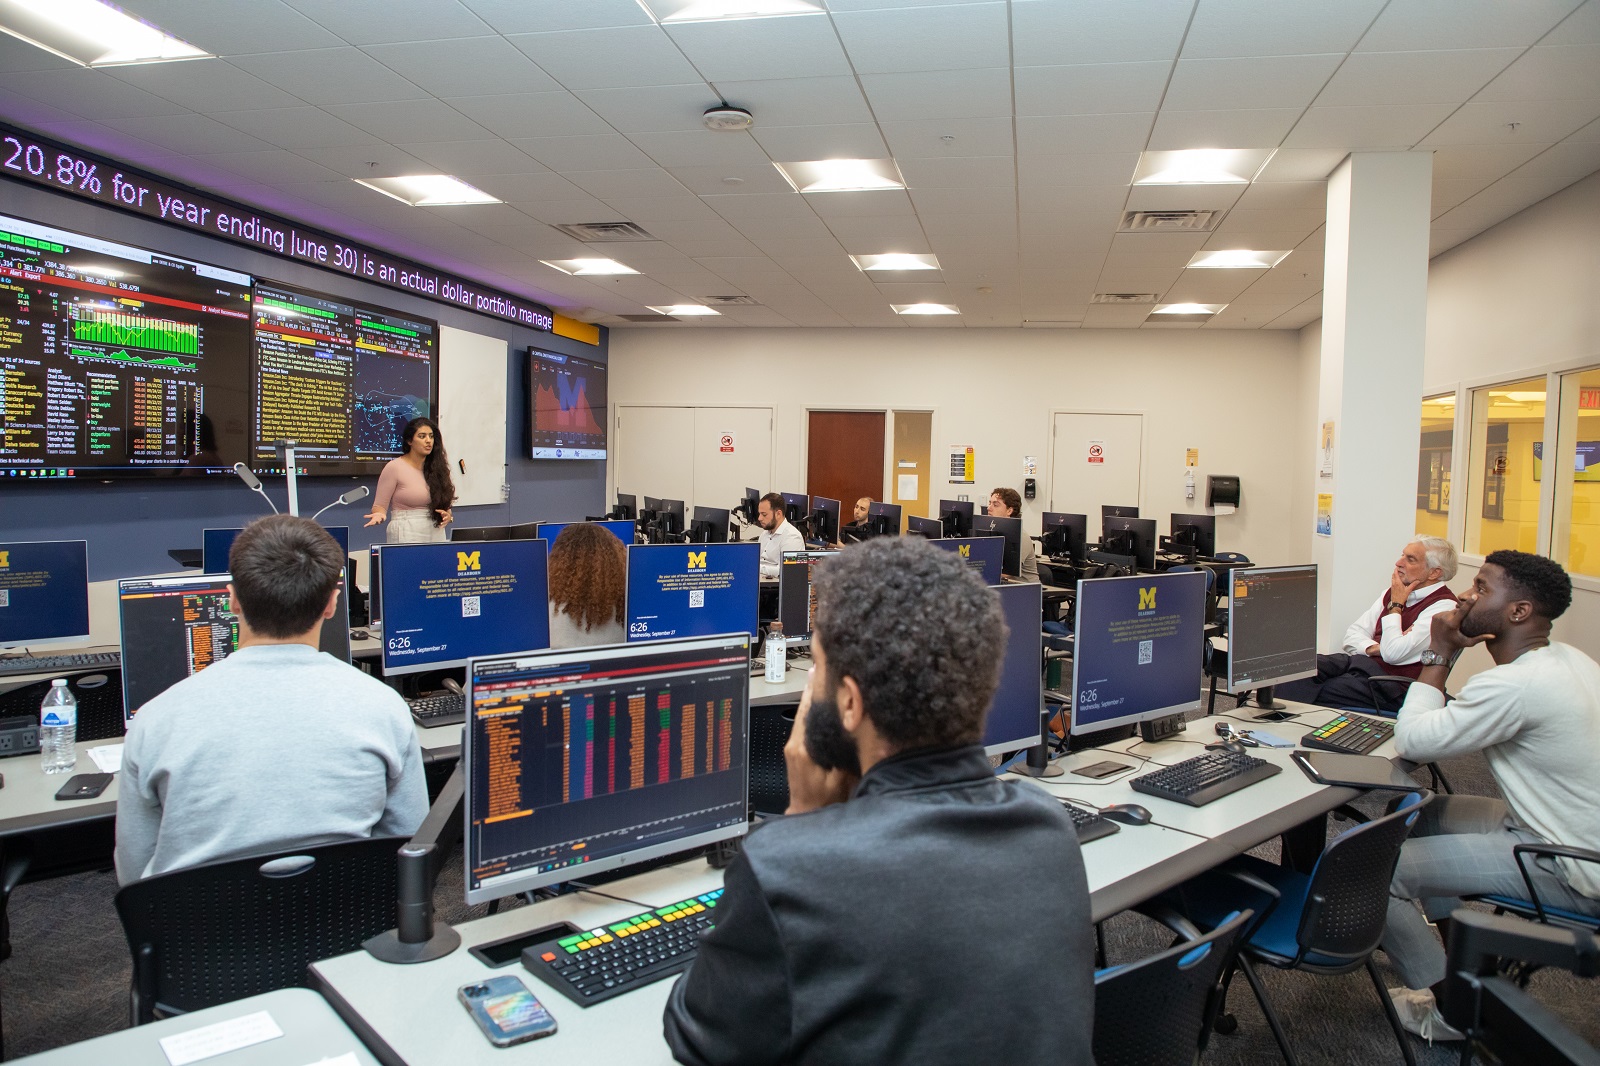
(1575, 466)
(1504, 468)
(1433, 465)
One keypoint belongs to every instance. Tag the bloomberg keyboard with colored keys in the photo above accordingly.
(1205, 778)
(1352, 734)
(45, 664)
(594, 966)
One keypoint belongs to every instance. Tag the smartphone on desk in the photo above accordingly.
(506, 1011)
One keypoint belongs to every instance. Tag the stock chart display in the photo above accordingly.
(117, 359)
(566, 406)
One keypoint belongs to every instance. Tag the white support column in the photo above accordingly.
(1374, 314)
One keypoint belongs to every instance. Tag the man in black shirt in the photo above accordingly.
(911, 908)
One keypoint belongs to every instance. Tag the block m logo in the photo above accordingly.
(965, 550)
(468, 561)
(1147, 599)
(697, 560)
(5, 560)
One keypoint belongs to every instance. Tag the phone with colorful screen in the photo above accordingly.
(506, 1011)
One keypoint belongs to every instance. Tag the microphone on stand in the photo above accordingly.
(360, 492)
(254, 484)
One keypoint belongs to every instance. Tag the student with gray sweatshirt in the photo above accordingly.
(276, 746)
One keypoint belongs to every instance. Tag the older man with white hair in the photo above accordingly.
(1390, 637)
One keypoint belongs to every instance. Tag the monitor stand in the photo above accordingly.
(1038, 763)
(1265, 701)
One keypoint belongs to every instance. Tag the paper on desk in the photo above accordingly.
(108, 757)
(347, 1059)
(211, 1040)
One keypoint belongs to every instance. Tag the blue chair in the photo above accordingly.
(1326, 922)
(1535, 909)
(1160, 1009)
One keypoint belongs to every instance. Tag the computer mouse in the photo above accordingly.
(1227, 745)
(1126, 813)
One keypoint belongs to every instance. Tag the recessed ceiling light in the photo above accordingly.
(896, 261)
(1519, 397)
(842, 175)
(91, 33)
(588, 266)
(1236, 259)
(1201, 166)
(713, 10)
(686, 310)
(1187, 309)
(925, 309)
(428, 190)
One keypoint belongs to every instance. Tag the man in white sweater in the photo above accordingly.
(277, 746)
(1536, 717)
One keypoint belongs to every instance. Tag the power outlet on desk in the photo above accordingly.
(18, 736)
(1162, 728)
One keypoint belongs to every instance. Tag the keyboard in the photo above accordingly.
(45, 664)
(447, 708)
(1204, 778)
(1352, 734)
(599, 964)
(1090, 826)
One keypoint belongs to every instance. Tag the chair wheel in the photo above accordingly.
(1225, 1024)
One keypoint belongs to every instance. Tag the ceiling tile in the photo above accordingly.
(1301, 164)
(1264, 128)
(1091, 89)
(960, 201)
(969, 173)
(530, 16)
(940, 95)
(1241, 221)
(701, 148)
(1414, 25)
(755, 49)
(1082, 133)
(471, 66)
(610, 152)
(926, 38)
(608, 58)
(798, 101)
(577, 209)
(235, 27)
(204, 85)
(1580, 27)
(552, 114)
(880, 203)
(1365, 128)
(1223, 28)
(1381, 78)
(1109, 168)
(380, 21)
(850, 141)
(1236, 84)
(784, 250)
(1489, 161)
(1096, 31)
(796, 227)
(1207, 286)
(272, 166)
(530, 188)
(1571, 160)
(296, 127)
(759, 180)
(926, 138)
(647, 209)
(1183, 197)
(471, 159)
(191, 134)
(737, 207)
(410, 120)
(364, 160)
(1521, 122)
(330, 76)
(657, 109)
(606, 184)
(1544, 73)
(89, 93)
(1452, 192)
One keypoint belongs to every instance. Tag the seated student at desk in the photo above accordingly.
(1007, 503)
(778, 535)
(588, 587)
(911, 908)
(278, 745)
(1536, 717)
(856, 529)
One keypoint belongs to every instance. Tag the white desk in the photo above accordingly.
(28, 801)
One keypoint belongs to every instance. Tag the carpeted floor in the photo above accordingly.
(67, 978)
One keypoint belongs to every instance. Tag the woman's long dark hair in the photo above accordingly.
(435, 468)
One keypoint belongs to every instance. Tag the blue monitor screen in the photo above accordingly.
(445, 603)
(983, 554)
(218, 543)
(1014, 717)
(44, 592)
(1138, 648)
(623, 531)
(693, 590)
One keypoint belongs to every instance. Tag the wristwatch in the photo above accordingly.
(1433, 658)
(1394, 607)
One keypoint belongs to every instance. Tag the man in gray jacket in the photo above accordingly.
(910, 908)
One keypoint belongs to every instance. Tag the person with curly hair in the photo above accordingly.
(417, 486)
(588, 587)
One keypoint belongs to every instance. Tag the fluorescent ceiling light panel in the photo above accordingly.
(1201, 166)
(588, 266)
(842, 175)
(925, 309)
(91, 33)
(668, 11)
(428, 190)
(1519, 397)
(1188, 309)
(686, 310)
(896, 261)
(1236, 259)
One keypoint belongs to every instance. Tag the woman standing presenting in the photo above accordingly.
(416, 487)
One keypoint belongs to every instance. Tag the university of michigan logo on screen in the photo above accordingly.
(468, 561)
(965, 550)
(1147, 599)
(5, 560)
(697, 560)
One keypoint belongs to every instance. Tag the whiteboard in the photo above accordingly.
(472, 413)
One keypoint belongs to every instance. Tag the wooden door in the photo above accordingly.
(844, 456)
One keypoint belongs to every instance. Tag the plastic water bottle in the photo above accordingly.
(58, 729)
(774, 653)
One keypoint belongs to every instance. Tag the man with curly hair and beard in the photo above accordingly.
(878, 921)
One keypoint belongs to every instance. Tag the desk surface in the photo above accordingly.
(28, 801)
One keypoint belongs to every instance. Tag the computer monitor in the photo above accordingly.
(957, 517)
(215, 544)
(1008, 528)
(797, 597)
(549, 531)
(375, 586)
(796, 506)
(176, 626)
(1135, 537)
(445, 603)
(1272, 626)
(669, 516)
(985, 555)
(627, 507)
(749, 503)
(709, 525)
(1015, 717)
(883, 519)
(693, 590)
(824, 519)
(586, 760)
(1197, 531)
(478, 534)
(1138, 648)
(1108, 510)
(1065, 535)
(44, 592)
(930, 528)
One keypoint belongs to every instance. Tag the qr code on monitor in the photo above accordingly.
(697, 597)
(5, 597)
(470, 607)
(1147, 652)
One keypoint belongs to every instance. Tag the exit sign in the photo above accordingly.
(1589, 399)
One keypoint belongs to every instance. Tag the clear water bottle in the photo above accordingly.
(58, 729)
(774, 653)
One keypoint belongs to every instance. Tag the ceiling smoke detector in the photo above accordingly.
(726, 117)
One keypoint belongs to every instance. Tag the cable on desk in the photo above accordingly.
(581, 887)
(1158, 762)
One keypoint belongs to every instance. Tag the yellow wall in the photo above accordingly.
(1583, 551)
(1518, 527)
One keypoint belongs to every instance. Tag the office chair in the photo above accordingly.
(1236, 558)
(219, 932)
(1326, 922)
(1159, 1009)
(770, 727)
(1532, 908)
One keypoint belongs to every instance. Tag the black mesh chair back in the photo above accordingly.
(769, 774)
(216, 933)
(99, 704)
(1158, 1010)
(1347, 903)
